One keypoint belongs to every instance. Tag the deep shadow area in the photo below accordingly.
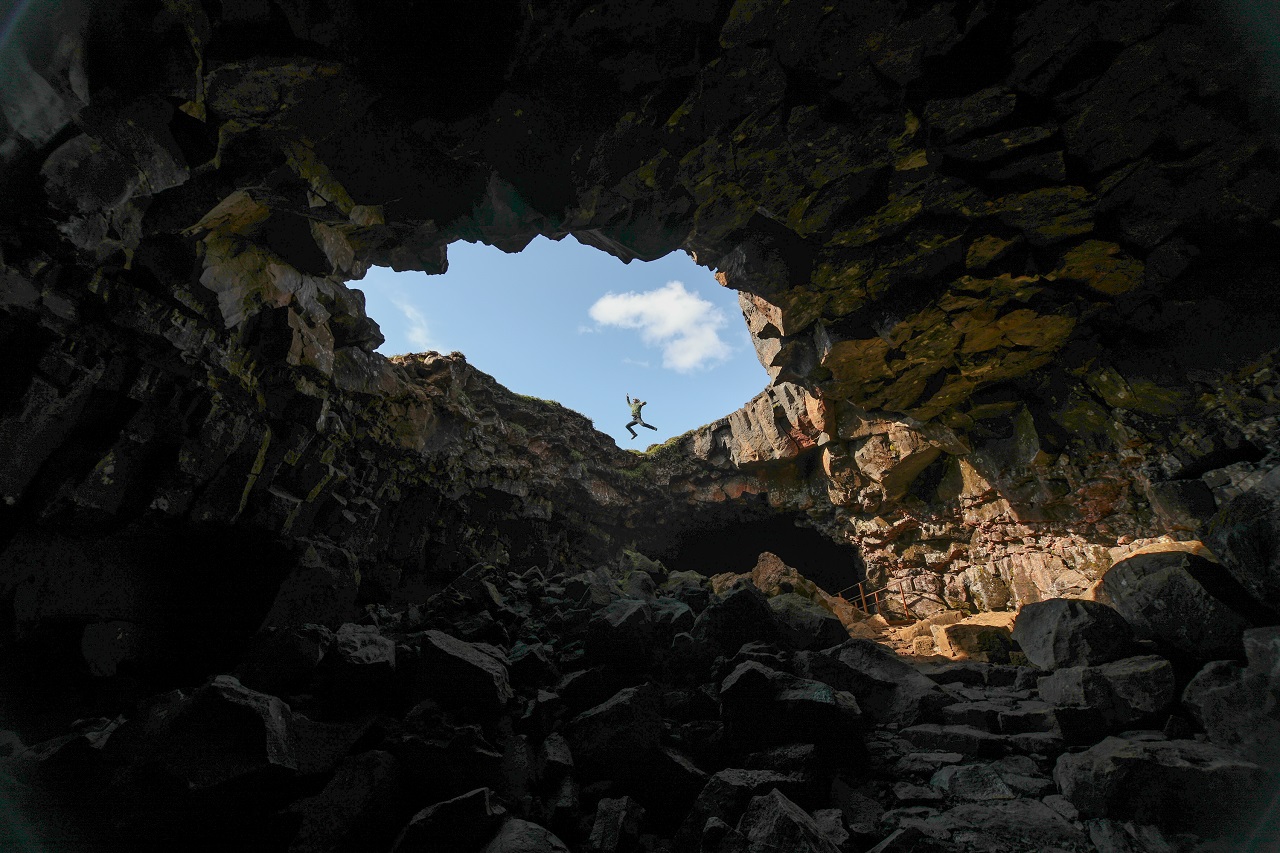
(735, 546)
(156, 608)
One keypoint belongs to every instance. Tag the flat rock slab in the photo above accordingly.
(964, 739)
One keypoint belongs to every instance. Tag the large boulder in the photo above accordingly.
(773, 822)
(1180, 599)
(223, 735)
(1120, 692)
(724, 797)
(628, 724)
(889, 690)
(985, 637)
(740, 615)
(522, 836)
(1239, 707)
(356, 809)
(1173, 784)
(1245, 535)
(621, 634)
(802, 624)
(763, 706)
(459, 825)
(459, 673)
(1067, 632)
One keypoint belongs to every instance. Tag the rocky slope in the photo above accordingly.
(639, 710)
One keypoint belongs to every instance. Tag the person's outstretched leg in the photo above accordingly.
(630, 430)
(654, 428)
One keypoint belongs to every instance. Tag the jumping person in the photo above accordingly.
(636, 418)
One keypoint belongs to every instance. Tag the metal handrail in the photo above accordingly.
(875, 595)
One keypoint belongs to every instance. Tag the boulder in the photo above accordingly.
(724, 797)
(1245, 535)
(1067, 632)
(1177, 598)
(763, 706)
(354, 810)
(616, 828)
(628, 724)
(1237, 706)
(284, 660)
(985, 638)
(740, 615)
(1019, 824)
(361, 662)
(522, 836)
(773, 822)
(459, 673)
(224, 734)
(1121, 692)
(801, 624)
(1180, 785)
(974, 782)
(889, 690)
(459, 825)
(621, 634)
(670, 617)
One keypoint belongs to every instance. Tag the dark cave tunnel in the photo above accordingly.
(734, 546)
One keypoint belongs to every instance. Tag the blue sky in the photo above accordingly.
(567, 322)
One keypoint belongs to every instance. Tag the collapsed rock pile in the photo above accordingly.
(633, 710)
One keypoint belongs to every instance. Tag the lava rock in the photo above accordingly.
(801, 624)
(1121, 692)
(724, 798)
(1065, 632)
(616, 828)
(621, 634)
(459, 673)
(1245, 535)
(284, 660)
(738, 616)
(1172, 784)
(522, 836)
(354, 809)
(627, 724)
(361, 663)
(773, 822)
(888, 689)
(1237, 705)
(459, 825)
(1177, 598)
(763, 706)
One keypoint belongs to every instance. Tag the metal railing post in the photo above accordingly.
(862, 592)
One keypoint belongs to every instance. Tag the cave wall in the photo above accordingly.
(1006, 263)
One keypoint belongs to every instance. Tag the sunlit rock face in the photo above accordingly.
(1007, 265)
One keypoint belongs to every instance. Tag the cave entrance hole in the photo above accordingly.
(565, 321)
(734, 546)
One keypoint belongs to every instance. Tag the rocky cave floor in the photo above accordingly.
(635, 709)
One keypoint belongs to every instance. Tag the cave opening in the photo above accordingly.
(710, 548)
(565, 321)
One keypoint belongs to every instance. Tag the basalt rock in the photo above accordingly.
(1006, 266)
(1062, 632)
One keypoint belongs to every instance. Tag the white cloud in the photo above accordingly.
(636, 362)
(584, 329)
(418, 333)
(686, 326)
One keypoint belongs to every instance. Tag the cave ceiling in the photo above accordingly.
(941, 213)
